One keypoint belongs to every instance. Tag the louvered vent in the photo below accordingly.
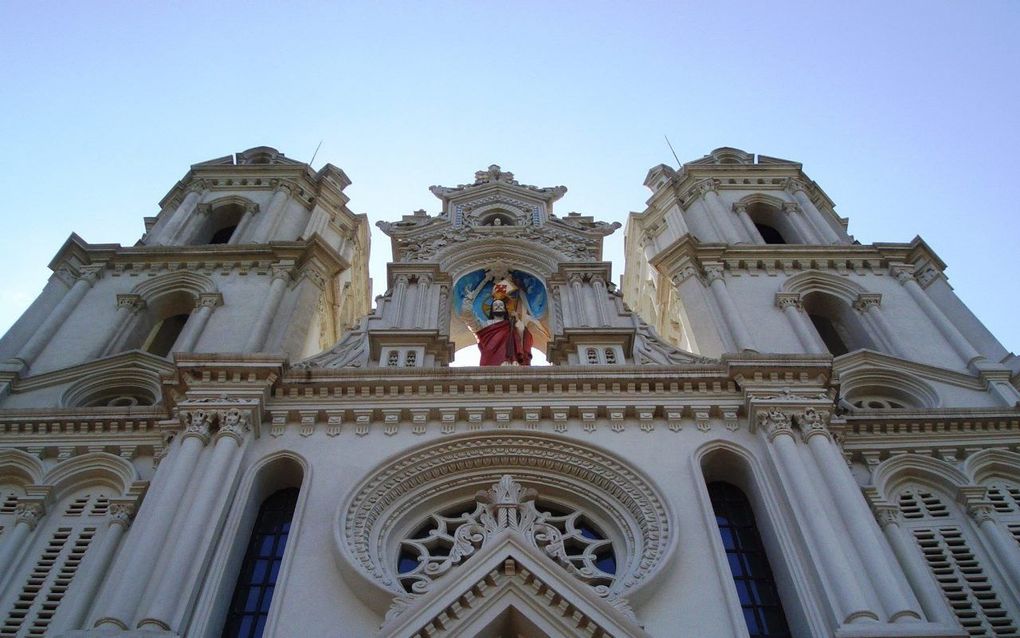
(1005, 498)
(1014, 530)
(917, 504)
(8, 502)
(77, 506)
(964, 583)
(47, 583)
(100, 506)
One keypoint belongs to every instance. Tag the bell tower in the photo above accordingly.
(252, 252)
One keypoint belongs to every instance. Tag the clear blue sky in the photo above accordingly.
(906, 113)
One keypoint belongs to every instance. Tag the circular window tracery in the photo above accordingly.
(406, 515)
(446, 539)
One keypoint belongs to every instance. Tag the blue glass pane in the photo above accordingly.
(728, 540)
(751, 618)
(260, 627)
(274, 571)
(251, 601)
(245, 626)
(744, 592)
(266, 546)
(736, 565)
(268, 598)
(258, 573)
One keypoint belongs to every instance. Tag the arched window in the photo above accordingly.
(769, 234)
(219, 222)
(837, 323)
(164, 334)
(253, 593)
(752, 575)
(223, 235)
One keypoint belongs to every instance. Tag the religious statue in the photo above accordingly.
(503, 321)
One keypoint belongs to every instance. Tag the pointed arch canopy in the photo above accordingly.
(92, 468)
(816, 281)
(22, 466)
(893, 473)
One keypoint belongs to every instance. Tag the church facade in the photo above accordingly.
(769, 429)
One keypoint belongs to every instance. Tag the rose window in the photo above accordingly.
(448, 538)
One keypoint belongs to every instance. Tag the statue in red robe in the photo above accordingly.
(504, 337)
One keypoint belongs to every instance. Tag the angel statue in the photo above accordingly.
(503, 322)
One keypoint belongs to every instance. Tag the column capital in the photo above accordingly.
(812, 422)
(29, 512)
(981, 512)
(792, 207)
(685, 271)
(793, 185)
(706, 186)
(903, 273)
(251, 207)
(283, 271)
(121, 513)
(91, 273)
(131, 302)
(197, 423)
(425, 279)
(740, 208)
(867, 301)
(197, 186)
(401, 280)
(775, 422)
(209, 300)
(786, 300)
(280, 185)
(713, 271)
(575, 278)
(234, 423)
(887, 514)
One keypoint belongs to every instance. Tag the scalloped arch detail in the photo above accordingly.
(816, 281)
(21, 465)
(92, 467)
(892, 383)
(987, 464)
(762, 198)
(126, 381)
(892, 473)
(189, 283)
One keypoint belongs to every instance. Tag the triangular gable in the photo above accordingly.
(508, 576)
(864, 360)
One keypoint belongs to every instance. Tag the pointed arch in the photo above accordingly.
(986, 464)
(897, 471)
(22, 466)
(91, 468)
(811, 281)
(182, 281)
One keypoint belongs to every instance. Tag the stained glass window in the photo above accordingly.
(256, 582)
(759, 599)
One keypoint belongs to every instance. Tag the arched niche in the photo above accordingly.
(529, 289)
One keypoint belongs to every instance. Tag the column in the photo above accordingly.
(717, 212)
(599, 285)
(905, 274)
(397, 300)
(423, 285)
(740, 210)
(207, 302)
(897, 601)
(73, 612)
(1005, 549)
(913, 565)
(139, 566)
(793, 308)
(714, 274)
(868, 305)
(577, 297)
(274, 213)
(183, 213)
(281, 277)
(27, 514)
(242, 226)
(833, 563)
(799, 191)
(34, 347)
(804, 229)
(127, 307)
(188, 538)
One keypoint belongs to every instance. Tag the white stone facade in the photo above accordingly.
(156, 399)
